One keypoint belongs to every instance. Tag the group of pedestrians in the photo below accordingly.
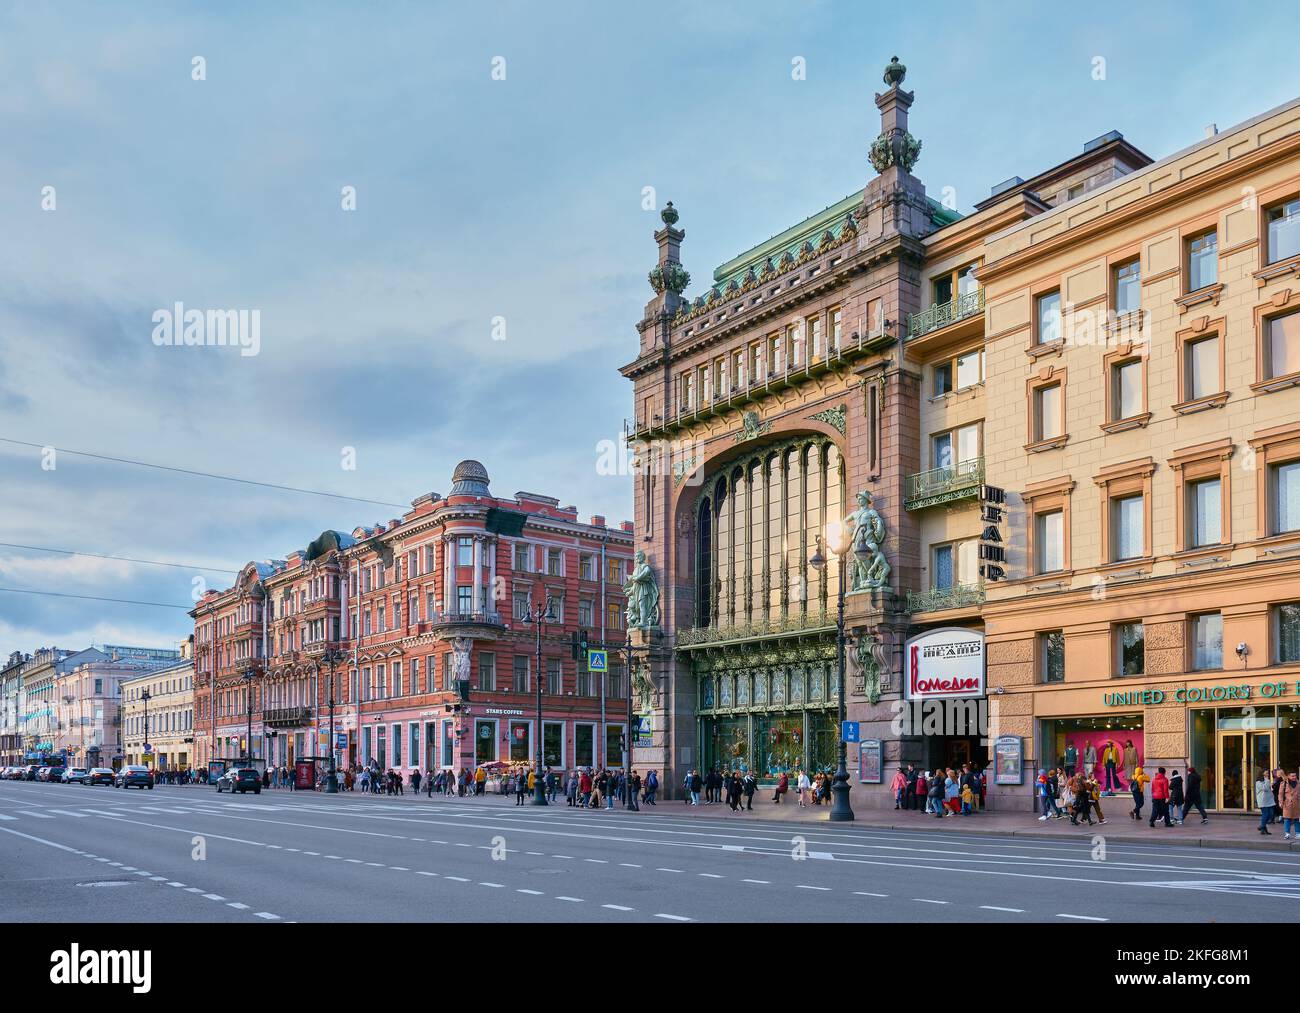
(944, 791)
(587, 788)
(1277, 796)
(736, 788)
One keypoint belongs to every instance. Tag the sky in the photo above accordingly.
(440, 214)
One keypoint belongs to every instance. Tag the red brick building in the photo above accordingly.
(397, 614)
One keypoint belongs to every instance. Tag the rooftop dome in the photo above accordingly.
(469, 479)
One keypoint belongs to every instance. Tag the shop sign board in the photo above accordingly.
(1202, 694)
(947, 663)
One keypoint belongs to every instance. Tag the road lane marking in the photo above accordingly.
(214, 896)
(804, 886)
(575, 900)
(763, 882)
(39, 816)
(456, 879)
(531, 893)
(994, 907)
(673, 918)
(667, 870)
(69, 812)
(711, 875)
(1084, 918)
(236, 905)
(618, 907)
(495, 886)
(268, 916)
(399, 868)
(926, 900)
(865, 893)
(597, 861)
(629, 865)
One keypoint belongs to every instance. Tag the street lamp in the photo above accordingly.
(146, 696)
(840, 809)
(331, 656)
(537, 615)
(248, 692)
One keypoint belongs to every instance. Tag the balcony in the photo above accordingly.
(941, 315)
(287, 717)
(794, 625)
(441, 620)
(944, 485)
(939, 598)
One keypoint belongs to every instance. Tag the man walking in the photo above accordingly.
(1176, 802)
(1159, 798)
(634, 792)
(1193, 795)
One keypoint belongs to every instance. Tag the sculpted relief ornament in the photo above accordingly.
(460, 647)
(869, 570)
(642, 596)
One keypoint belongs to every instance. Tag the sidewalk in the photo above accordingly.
(1223, 831)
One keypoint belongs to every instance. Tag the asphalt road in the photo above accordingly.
(73, 853)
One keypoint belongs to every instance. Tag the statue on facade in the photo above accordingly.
(642, 595)
(868, 570)
(645, 688)
(868, 661)
(460, 647)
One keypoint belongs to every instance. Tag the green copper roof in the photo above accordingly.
(809, 230)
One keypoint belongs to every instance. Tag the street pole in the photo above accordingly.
(627, 736)
(840, 810)
(248, 692)
(539, 788)
(332, 778)
(144, 695)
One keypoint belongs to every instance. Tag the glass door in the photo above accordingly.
(1243, 754)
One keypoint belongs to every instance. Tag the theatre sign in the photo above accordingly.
(944, 663)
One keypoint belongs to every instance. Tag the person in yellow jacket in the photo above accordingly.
(1138, 783)
(532, 779)
(480, 779)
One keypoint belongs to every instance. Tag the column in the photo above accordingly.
(448, 572)
(490, 542)
(476, 594)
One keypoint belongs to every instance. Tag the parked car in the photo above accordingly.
(134, 776)
(31, 771)
(99, 775)
(74, 775)
(241, 779)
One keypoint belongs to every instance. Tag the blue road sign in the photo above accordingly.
(597, 661)
(850, 731)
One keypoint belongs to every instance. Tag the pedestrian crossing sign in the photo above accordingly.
(597, 661)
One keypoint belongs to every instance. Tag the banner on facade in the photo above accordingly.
(1008, 760)
(944, 664)
(870, 767)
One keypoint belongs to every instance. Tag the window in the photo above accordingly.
(521, 558)
(942, 378)
(965, 370)
(774, 364)
(833, 344)
(755, 366)
(397, 678)
(554, 676)
(464, 552)
(958, 283)
(955, 447)
(793, 339)
(1130, 641)
(1205, 512)
(954, 564)
(521, 674)
(1287, 625)
(584, 613)
(614, 571)
(1282, 348)
(1285, 482)
(1075, 191)
(521, 605)
(553, 562)
(587, 567)
(814, 332)
(1283, 230)
(614, 616)
(1126, 398)
(688, 391)
(1207, 641)
(465, 599)
(1202, 260)
(1049, 541)
(1128, 518)
(1048, 421)
(1128, 286)
(1201, 368)
(1049, 318)
(487, 673)
(614, 682)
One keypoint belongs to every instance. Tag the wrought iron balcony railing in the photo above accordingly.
(944, 313)
(489, 618)
(812, 621)
(938, 598)
(287, 717)
(943, 485)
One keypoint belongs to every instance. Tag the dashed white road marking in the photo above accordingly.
(423, 872)
(456, 879)
(667, 870)
(575, 900)
(194, 889)
(69, 812)
(673, 918)
(711, 875)
(596, 861)
(496, 886)
(865, 893)
(927, 900)
(629, 865)
(805, 886)
(39, 816)
(236, 905)
(268, 916)
(214, 896)
(993, 907)
(1084, 918)
(763, 882)
(399, 868)
(618, 907)
(531, 893)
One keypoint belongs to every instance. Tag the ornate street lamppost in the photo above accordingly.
(331, 657)
(146, 696)
(247, 676)
(539, 615)
(840, 810)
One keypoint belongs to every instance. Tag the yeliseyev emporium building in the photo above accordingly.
(1075, 417)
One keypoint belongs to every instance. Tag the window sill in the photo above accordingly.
(1208, 294)
(1201, 403)
(1124, 425)
(1121, 323)
(1275, 383)
(1279, 269)
(1037, 351)
(1055, 443)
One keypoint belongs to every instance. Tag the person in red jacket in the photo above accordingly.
(1160, 798)
(584, 788)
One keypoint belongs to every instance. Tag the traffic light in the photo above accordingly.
(578, 640)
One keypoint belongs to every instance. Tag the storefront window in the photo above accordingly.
(485, 741)
(584, 742)
(381, 747)
(778, 740)
(520, 751)
(823, 742)
(613, 748)
(553, 744)
(727, 743)
(448, 745)
(1204, 756)
(1111, 747)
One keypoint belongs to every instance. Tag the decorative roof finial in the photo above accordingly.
(894, 73)
(669, 215)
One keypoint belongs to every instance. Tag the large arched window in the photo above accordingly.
(756, 530)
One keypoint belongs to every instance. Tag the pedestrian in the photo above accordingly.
(697, 783)
(1094, 796)
(651, 787)
(899, 786)
(1136, 783)
(733, 791)
(910, 796)
(1176, 800)
(782, 786)
(1193, 795)
(634, 792)
(748, 786)
(1278, 778)
(571, 789)
(1082, 799)
(967, 799)
(1264, 799)
(1160, 798)
(1290, 799)
(1045, 802)
(415, 781)
(805, 789)
(521, 787)
(584, 787)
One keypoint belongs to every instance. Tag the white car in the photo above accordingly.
(75, 775)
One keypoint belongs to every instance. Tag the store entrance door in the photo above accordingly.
(1244, 754)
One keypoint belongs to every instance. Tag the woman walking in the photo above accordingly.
(1138, 781)
(805, 790)
(899, 787)
(1289, 796)
(1264, 799)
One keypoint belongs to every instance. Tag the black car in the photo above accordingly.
(134, 776)
(99, 775)
(52, 774)
(240, 779)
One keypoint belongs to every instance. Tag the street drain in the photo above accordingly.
(107, 882)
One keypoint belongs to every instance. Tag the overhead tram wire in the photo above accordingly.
(203, 474)
(120, 559)
(91, 597)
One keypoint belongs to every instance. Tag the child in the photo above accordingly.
(967, 800)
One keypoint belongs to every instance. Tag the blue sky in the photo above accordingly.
(476, 198)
